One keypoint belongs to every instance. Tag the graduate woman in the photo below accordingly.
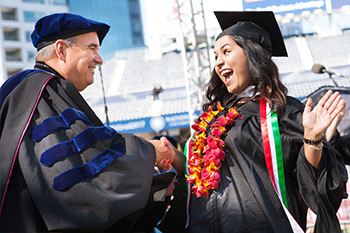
(257, 159)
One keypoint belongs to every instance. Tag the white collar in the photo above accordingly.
(247, 92)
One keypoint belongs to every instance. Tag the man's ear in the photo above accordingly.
(61, 50)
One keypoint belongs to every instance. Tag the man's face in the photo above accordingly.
(81, 60)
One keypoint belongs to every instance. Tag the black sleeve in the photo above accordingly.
(324, 188)
(154, 210)
(342, 145)
(175, 219)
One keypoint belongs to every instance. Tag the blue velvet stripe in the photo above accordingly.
(77, 144)
(91, 168)
(70, 115)
(48, 126)
(54, 123)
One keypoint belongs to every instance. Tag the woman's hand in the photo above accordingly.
(333, 127)
(165, 153)
(318, 119)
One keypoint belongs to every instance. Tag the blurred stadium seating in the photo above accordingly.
(131, 75)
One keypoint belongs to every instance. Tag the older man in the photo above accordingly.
(61, 169)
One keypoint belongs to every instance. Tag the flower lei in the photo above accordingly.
(207, 149)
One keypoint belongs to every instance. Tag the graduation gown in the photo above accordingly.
(246, 200)
(342, 145)
(61, 169)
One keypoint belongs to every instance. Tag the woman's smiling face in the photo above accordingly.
(231, 65)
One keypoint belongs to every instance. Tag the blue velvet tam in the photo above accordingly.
(64, 25)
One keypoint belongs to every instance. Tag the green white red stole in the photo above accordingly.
(274, 157)
(273, 149)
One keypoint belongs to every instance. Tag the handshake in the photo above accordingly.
(167, 154)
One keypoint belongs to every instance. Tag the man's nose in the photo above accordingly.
(98, 59)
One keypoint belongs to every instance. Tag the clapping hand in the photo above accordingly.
(318, 119)
(333, 126)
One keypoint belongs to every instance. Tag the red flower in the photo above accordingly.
(216, 132)
(204, 115)
(220, 143)
(215, 176)
(211, 145)
(191, 179)
(222, 121)
(205, 174)
(214, 182)
(232, 115)
(211, 157)
(196, 162)
(210, 138)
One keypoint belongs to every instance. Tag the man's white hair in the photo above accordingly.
(47, 52)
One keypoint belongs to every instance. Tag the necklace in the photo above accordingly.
(207, 148)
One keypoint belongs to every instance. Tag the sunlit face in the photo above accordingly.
(231, 65)
(82, 59)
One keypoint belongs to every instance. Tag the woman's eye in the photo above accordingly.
(226, 51)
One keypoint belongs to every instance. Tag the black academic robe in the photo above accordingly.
(61, 169)
(342, 145)
(246, 200)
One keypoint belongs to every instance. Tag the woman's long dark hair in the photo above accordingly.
(265, 77)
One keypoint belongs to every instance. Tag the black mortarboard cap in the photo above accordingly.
(64, 25)
(258, 26)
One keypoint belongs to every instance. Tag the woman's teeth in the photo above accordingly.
(227, 74)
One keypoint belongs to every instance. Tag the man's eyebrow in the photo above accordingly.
(93, 45)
